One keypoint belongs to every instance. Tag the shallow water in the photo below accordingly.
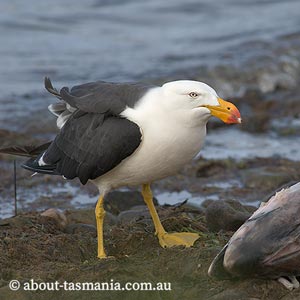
(76, 41)
(220, 144)
(173, 198)
(225, 143)
(69, 196)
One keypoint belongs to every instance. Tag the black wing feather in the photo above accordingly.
(27, 150)
(91, 145)
(49, 87)
(103, 97)
(95, 139)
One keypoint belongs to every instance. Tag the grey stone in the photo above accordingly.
(81, 228)
(226, 215)
(116, 202)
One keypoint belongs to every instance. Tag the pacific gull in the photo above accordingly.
(128, 134)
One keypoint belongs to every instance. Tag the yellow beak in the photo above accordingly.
(227, 112)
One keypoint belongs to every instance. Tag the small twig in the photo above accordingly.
(15, 187)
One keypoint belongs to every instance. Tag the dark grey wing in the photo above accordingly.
(100, 96)
(88, 146)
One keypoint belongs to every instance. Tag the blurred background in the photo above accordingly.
(249, 51)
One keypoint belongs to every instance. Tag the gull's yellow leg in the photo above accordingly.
(186, 239)
(100, 213)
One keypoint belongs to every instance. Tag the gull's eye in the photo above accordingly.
(193, 95)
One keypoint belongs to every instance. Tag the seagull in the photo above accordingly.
(128, 134)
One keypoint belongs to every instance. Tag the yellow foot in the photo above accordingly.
(104, 256)
(186, 239)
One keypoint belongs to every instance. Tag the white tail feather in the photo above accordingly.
(62, 111)
(63, 118)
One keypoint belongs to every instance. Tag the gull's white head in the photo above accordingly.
(187, 95)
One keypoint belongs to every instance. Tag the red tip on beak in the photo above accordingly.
(227, 112)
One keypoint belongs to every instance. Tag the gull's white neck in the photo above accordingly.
(152, 110)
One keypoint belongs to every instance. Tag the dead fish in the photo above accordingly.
(267, 245)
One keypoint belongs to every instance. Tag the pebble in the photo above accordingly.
(56, 215)
(226, 215)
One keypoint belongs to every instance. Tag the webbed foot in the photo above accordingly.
(186, 239)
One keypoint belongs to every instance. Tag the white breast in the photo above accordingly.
(167, 145)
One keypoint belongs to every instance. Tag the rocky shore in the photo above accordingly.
(47, 247)
(221, 194)
(62, 246)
